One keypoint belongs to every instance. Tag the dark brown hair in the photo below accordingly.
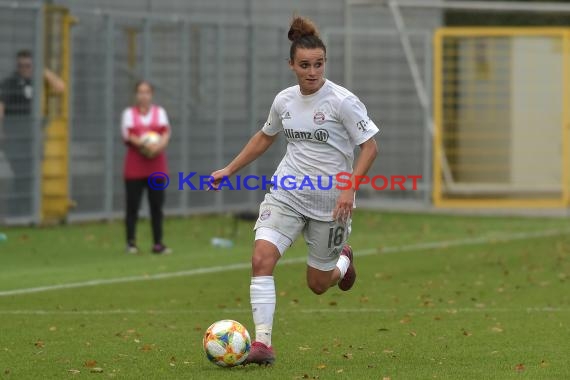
(141, 82)
(303, 34)
(24, 54)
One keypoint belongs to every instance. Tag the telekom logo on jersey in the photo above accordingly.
(340, 181)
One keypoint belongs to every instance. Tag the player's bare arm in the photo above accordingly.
(135, 140)
(56, 84)
(345, 202)
(138, 143)
(255, 147)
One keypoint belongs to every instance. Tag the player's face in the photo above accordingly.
(24, 67)
(309, 67)
(144, 95)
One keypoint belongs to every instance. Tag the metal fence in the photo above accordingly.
(382, 79)
(217, 81)
(21, 122)
(214, 81)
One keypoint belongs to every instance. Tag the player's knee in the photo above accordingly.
(258, 260)
(263, 261)
(317, 287)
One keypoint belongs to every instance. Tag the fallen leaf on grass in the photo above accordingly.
(306, 376)
(74, 371)
(413, 333)
(340, 370)
(53, 328)
(348, 355)
(304, 348)
(388, 351)
(386, 378)
(544, 364)
(321, 366)
(90, 364)
(97, 370)
(39, 344)
(497, 329)
(364, 299)
(519, 367)
(466, 333)
(147, 347)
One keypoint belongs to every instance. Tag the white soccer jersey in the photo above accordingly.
(322, 130)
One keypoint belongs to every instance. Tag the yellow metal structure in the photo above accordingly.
(55, 165)
(501, 117)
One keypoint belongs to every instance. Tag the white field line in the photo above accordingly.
(296, 310)
(297, 260)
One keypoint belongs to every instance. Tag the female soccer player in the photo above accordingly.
(141, 161)
(322, 122)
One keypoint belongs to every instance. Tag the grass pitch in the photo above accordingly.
(444, 297)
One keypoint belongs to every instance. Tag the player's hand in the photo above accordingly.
(217, 177)
(344, 204)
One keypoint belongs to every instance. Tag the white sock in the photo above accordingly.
(262, 294)
(342, 264)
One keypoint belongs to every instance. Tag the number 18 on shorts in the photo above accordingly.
(324, 239)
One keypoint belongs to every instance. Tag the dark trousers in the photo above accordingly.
(134, 191)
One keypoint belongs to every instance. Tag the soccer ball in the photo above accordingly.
(150, 138)
(227, 343)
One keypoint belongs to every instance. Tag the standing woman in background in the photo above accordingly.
(144, 158)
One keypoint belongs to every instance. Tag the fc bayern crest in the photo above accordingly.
(265, 214)
(319, 118)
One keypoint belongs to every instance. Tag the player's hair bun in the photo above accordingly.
(301, 27)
